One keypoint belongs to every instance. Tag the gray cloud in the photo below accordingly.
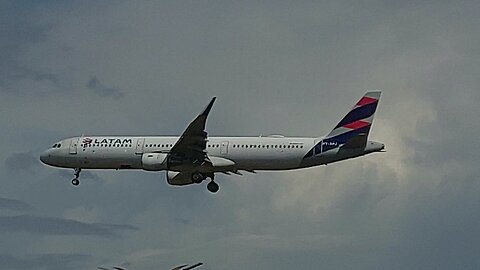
(100, 89)
(283, 67)
(85, 174)
(44, 261)
(19, 33)
(27, 161)
(14, 205)
(59, 226)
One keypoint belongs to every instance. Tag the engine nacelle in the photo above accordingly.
(179, 178)
(154, 161)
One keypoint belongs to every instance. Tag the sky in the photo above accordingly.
(277, 67)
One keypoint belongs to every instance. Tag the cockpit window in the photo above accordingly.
(57, 145)
(54, 146)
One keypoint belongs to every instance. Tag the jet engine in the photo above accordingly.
(154, 161)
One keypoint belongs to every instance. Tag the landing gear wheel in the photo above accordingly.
(75, 182)
(213, 187)
(197, 177)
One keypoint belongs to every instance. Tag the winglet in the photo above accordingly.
(209, 107)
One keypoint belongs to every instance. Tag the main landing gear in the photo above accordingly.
(213, 187)
(75, 180)
(198, 178)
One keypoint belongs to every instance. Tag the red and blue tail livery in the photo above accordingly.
(352, 131)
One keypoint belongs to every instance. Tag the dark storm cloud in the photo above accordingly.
(22, 162)
(44, 262)
(14, 205)
(60, 226)
(100, 89)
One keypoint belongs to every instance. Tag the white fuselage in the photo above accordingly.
(194, 156)
(247, 153)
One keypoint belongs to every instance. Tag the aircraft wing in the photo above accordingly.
(181, 267)
(193, 266)
(192, 143)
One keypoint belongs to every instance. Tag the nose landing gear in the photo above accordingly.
(75, 180)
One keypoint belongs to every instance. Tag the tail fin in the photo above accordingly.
(352, 131)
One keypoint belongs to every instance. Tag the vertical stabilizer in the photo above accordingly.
(352, 131)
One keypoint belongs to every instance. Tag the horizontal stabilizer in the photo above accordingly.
(359, 141)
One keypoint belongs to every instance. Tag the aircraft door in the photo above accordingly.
(317, 149)
(224, 148)
(139, 148)
(73, 145)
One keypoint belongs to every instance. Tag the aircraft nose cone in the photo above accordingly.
(44, 157)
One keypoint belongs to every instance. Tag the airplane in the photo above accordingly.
(194, 156)
(181, 267)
